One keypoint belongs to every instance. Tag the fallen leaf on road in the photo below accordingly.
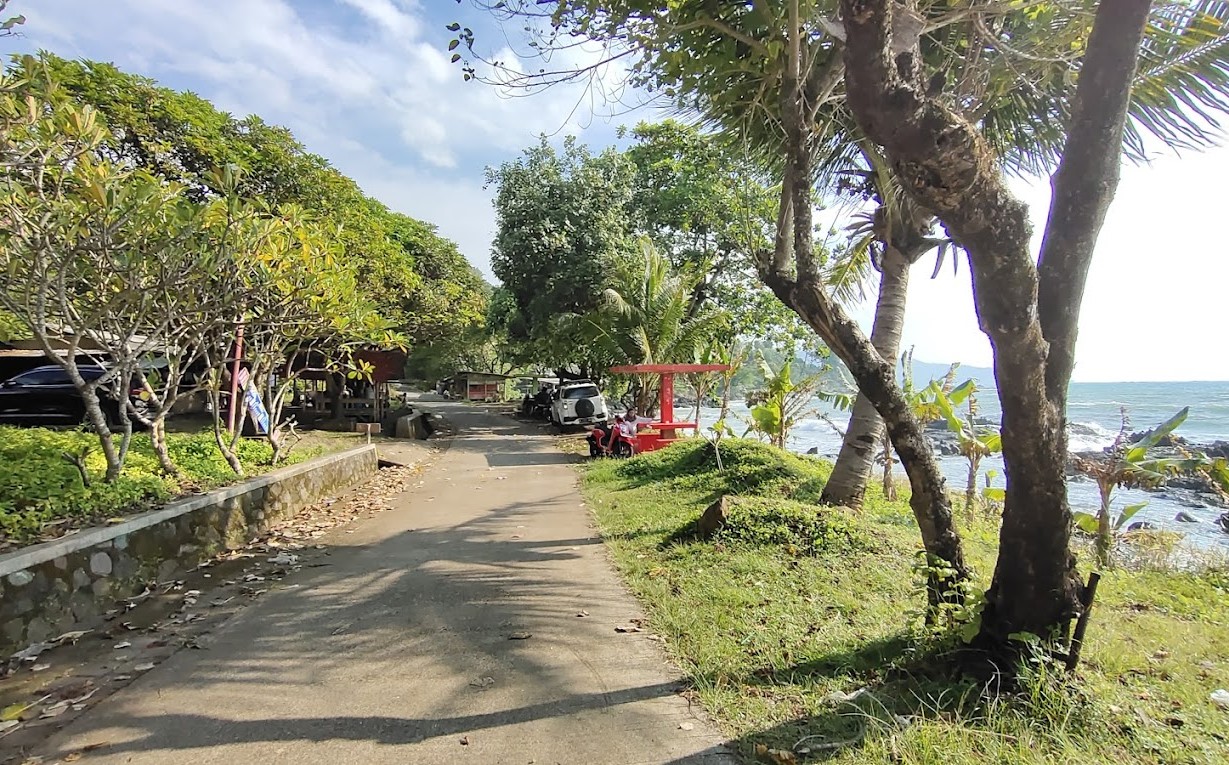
(624, 628)
(582, 614)
(121, 646)
(482, 682)
(520, 636)
(143, 667)
(464, 741)
(14, 711)
(40, 667)
(687, 726)
(776, 756)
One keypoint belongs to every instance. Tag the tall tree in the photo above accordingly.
(418, 279)
(1028, 308)
(562, 229)
(650, 318)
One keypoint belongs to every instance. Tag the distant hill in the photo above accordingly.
(925, 371)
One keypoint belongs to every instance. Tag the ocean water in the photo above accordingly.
(1095, 414)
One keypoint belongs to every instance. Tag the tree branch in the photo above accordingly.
(1093, 152)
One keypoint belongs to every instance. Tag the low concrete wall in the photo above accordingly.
(54, 587)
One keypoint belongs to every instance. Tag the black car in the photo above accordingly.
(46, 396)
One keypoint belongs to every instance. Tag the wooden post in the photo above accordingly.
(1077, 640)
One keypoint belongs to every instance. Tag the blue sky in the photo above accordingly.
(367, 84)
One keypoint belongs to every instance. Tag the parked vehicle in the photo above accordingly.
(578, 402)
(46, 396)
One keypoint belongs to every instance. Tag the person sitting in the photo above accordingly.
(638, 422)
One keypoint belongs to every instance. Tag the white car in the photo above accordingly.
(578, 402)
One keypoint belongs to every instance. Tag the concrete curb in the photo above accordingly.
(33, 555)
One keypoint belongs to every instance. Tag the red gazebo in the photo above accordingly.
(667, 427)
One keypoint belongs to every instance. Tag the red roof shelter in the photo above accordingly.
(667, 426)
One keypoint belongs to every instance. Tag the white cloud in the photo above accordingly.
(366, 83)
(369, 84)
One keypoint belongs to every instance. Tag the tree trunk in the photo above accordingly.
(807, 295)
(157, 439)
(852, 470)
(889, 483)
(1029, 315)
(106, 439)
(877, 380)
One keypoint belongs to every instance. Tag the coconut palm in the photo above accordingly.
(648, 318)
(1182, 80)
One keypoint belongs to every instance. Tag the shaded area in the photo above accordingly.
(481, 608)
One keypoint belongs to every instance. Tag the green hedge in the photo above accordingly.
(41, 493)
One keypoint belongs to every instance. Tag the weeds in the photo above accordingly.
(826, 656)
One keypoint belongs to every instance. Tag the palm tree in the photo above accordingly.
(650, 318)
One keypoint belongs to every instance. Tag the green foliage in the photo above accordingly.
(772, 641)
(41, 491)
(799, 528)
(784, 400)
(561, 232)
(1128, 463)
(975, 442)
(419, 281)
(648, 318)
(750, 468)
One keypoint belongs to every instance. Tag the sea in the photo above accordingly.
(1095, 415)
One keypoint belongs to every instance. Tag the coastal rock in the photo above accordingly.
(813, 450)
(1223, 522)
(1185, 517)
(1141, 526)
(1168, 440)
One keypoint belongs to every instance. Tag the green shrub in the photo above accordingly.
(800, 529)
(750, 468)
(41, 492)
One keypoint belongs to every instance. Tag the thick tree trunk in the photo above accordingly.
(852, 470)
(807, 295)
(949, 168)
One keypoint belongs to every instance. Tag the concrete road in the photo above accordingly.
(447, 630)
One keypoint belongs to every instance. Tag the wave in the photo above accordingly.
(1088, 437)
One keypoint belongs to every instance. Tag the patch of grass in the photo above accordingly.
(41, 493)
(774, 641)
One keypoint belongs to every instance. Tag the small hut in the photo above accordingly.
(478, 386)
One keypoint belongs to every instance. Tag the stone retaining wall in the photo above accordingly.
(55, 587)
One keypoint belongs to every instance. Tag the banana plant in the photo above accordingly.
(975, 442)
(1127, 463)
(778, 407)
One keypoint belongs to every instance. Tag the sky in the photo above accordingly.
(368, 85)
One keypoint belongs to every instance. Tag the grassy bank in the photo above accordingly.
(792, 608)
(42, 494)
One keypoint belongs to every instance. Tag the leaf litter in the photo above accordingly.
(171, 612)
